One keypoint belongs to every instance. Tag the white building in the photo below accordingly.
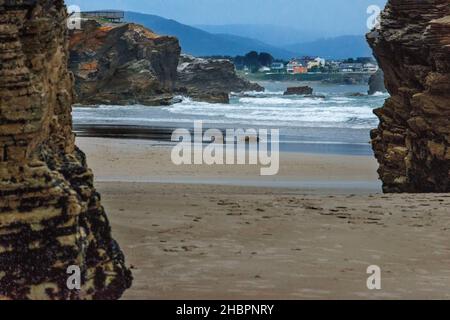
(264, 69)
(277, 66)
(310, 62)
(370, 67)
(351, 67)
(320, 61)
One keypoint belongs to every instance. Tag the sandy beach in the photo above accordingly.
(224, 232)
(122, 160)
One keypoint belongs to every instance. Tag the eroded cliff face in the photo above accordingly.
(412, 142)
(123, 65)
(50, 214)
(129, 64)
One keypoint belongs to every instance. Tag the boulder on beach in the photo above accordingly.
(302, 90)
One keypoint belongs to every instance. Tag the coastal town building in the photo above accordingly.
(332, 65)
(315, 63)
(312, 62)
(296, 67)
(370, 67)
(351, 67)
(278, 67)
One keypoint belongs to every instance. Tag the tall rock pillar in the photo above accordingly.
(412, 142)
(50, 214)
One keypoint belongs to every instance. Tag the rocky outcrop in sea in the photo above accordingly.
(129, 64)
(412, 142)
(302, 90)
(51, 217)
(210, 80)
(376, 83)
(122, 65)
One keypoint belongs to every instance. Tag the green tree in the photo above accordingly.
(239, 62)
(252, 61)
(265, 59)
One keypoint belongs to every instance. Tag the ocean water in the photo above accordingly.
(339, 122)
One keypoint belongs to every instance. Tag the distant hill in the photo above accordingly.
(334, 48)
(201, 43)
(274, 35)
(231, 40)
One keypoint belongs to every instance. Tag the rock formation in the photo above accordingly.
(122, 65)
(129, 64)
(376, 83)
(210, 80)
(303, 90)
(50, 214)
(412, 142)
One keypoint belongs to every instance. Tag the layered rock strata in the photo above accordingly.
(51, 217)
(210, 80)
(412, 142)
(123, 65)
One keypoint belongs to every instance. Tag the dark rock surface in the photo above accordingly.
(304, 90)
(122, 65)
(51, 216)
(210, 80)
(376, 83)
(356, 94)
(412, 142)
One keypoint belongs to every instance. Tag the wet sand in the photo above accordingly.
(141, 161)
(163, 134)
(197, 240)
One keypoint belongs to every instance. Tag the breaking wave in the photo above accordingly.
(333, 115)
(273, 109)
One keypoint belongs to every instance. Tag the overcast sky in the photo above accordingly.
(340, 16)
